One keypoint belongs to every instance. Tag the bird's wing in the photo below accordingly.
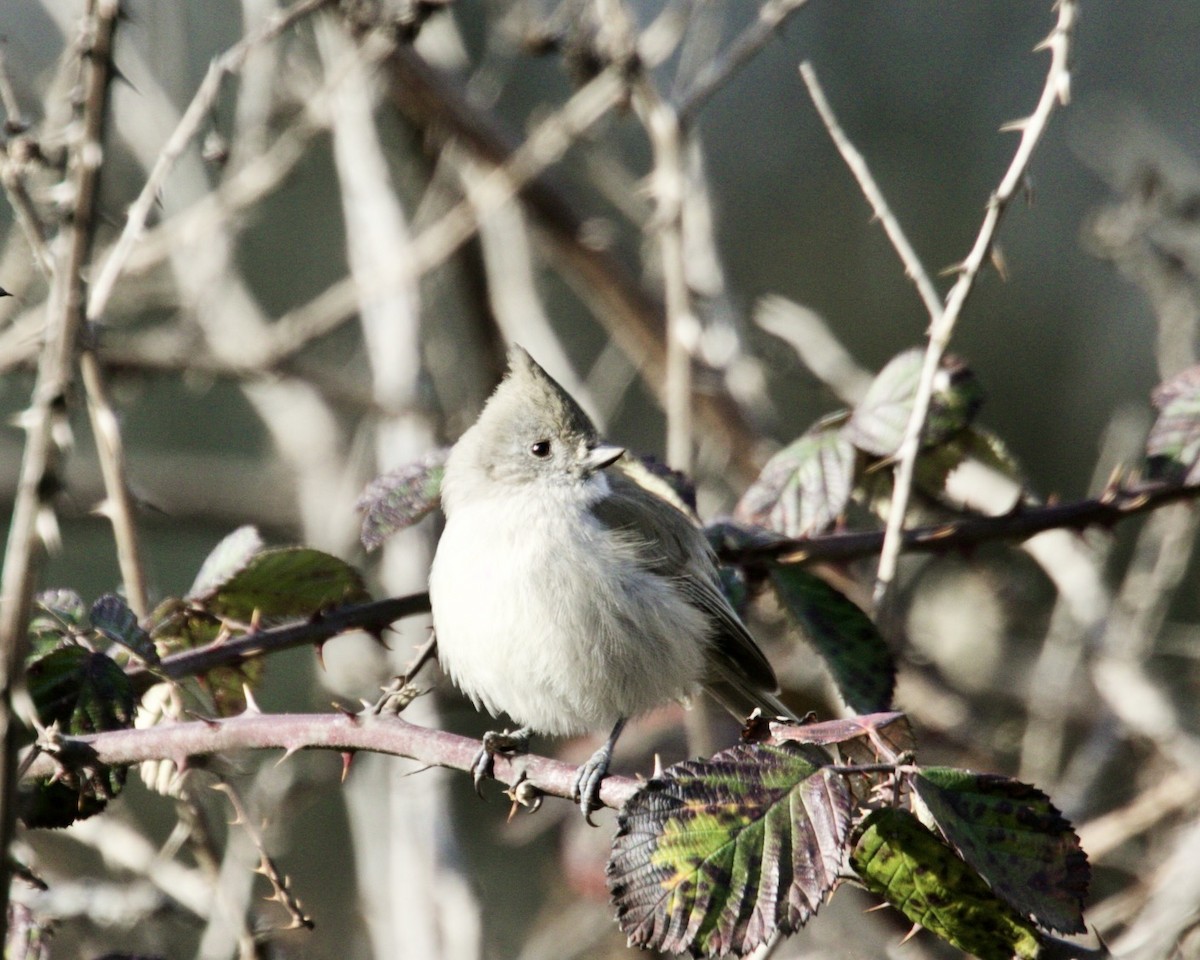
(676, 548)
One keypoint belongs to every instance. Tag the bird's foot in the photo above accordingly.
(507, 742)
(585, 789)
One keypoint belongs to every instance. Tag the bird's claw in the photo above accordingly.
(585, 789)
(508, 742)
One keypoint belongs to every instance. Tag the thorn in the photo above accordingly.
(252, 707)
(877, 907)
(998, 261)
(255, 620)
(916, 928)
(287, 754)
(347, 759)
(1015, 126)
(319, 649)
(952, 269)
(658, 767)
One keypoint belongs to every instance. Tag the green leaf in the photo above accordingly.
(228, 558)
(401, 498)
(878, 423)
(899, 859)
(844, 636)
(112, 618)
(1173, 447)
(83, 692)
(1014, 837)
(806, 486)
(716, 856)
(288, 582)
(57, 615)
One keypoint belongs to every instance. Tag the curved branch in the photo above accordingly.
(292, 732)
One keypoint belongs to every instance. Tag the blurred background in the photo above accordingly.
(269, 352)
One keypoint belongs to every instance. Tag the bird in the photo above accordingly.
(567, 595)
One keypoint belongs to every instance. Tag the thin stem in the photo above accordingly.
(118, 504)
(913, 267)
(43, 448)
(1055, 91)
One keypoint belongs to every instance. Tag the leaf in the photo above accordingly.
(717, 855)
(57, 615)
(228, 558)
(806, 486)
(83, 692)
(1012, 834)
(180, 626)
(288, 582)
(899, 859)
(868, 739)
(401, 498)
(112, 618)
(844, 636)
(1173, 447)
(878, 423)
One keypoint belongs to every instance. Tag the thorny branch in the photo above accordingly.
(528, 775)
(47, 433)
(1055, 91)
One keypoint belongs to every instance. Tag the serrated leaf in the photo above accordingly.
(112, 618)
(227, 559)
(288, 582)
(1173, 446)
(1015, 838)
(899, 859)
(717, 855)
(806, 486)
(401, 498)
(879, 420)
(83, 692)
(845, 637)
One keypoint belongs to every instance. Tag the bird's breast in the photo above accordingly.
(543, 613)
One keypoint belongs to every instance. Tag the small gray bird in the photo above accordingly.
(567, 595)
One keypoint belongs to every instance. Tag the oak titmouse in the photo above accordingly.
(567, 595)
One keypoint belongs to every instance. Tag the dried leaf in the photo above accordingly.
(1173, 447)
(401, 498)
(716, 856)
(806, 486)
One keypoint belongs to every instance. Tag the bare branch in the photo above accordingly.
(913, 268)
(44, 444)
(1055, 91)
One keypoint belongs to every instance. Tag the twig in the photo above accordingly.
(373, 617)
(1056, 91)
(39, 466)
(771, 17)
(633, 319)
(1025, 522)
(668, 183)
(118, 503)
(189, 124)
(913, 268)
(293, 732)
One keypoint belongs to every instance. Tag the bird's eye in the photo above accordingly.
(541, 449)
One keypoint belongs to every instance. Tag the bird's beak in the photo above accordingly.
(602, 456)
